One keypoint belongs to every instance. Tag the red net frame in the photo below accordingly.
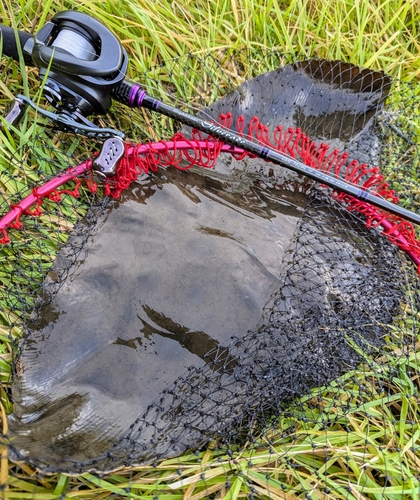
(184, 153)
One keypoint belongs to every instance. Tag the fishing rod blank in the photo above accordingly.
(134, 96)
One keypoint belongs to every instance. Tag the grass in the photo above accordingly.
(373, 451)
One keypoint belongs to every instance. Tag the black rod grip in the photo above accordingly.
(10, 48)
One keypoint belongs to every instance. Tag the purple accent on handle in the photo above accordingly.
(155, 104)
(133, 94)
(136, 96)
(264, 153)
(141, 95)
(362, 195)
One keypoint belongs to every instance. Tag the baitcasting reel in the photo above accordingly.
(80, 62)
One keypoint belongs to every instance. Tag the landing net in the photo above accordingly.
(315, 395)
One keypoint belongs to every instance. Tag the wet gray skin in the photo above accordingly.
(163, 334)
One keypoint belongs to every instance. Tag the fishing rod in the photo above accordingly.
(83, 82)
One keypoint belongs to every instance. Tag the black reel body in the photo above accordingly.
(80, 61)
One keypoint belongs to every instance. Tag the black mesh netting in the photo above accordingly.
(231, 333)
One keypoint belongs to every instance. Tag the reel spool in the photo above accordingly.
(80, 61)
